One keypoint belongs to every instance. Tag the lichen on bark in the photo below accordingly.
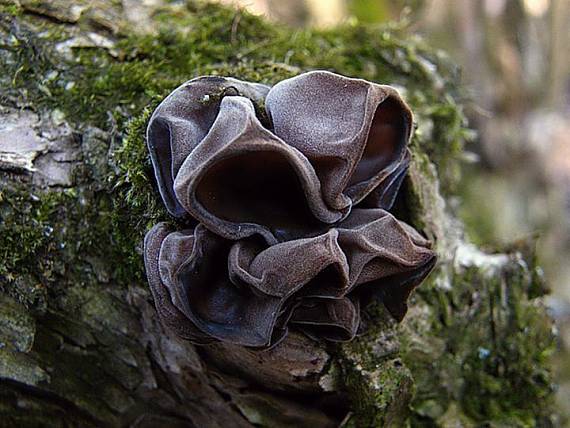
(79, 337)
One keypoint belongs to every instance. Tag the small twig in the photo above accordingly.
(235, 23)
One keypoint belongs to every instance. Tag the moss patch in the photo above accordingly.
(380, 386)
(488, 352)
(52, 239)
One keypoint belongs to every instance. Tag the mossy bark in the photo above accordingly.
(80, 343)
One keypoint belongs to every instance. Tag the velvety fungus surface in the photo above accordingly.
(293, 224)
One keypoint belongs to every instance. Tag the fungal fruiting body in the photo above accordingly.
(286, 191)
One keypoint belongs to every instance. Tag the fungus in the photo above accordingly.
(291, 205)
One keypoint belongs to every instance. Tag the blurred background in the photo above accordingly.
(515, 59)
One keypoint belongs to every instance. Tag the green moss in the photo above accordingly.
(512, 382)
(10, 8)
(379, 397)
(380, 386)
(53, 238)
(493, 358)
(25, 229)
(136, 206)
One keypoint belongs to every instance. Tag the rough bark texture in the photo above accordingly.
(80, 343)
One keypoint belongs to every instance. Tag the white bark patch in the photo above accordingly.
(36, 146)
(19, 143)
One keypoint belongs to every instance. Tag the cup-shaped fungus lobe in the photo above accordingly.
(354, 132)
(290, 187)
(182, 121)
(242, 180)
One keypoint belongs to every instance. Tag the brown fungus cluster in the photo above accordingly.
(289, 187)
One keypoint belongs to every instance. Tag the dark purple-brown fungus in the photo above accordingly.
(290, 187)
